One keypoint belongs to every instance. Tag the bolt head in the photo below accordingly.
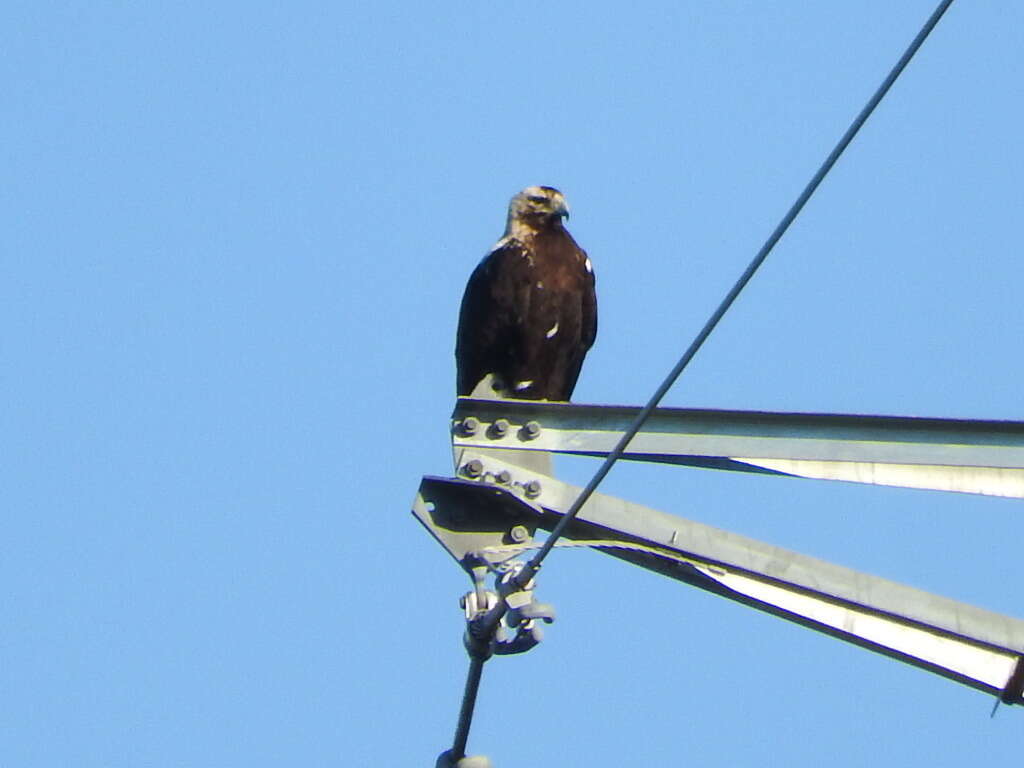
(531, 430)
(504, 477)
(500, 428)
(532, 489)
(519, 533)
(470, 425)
(473, 468)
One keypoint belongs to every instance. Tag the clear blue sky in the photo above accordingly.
(234, 240)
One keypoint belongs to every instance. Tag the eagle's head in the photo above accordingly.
(536, 208)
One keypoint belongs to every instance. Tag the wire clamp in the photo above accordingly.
(520, 629)
(524, 614)
(477, 605)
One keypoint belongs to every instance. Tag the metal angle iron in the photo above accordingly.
(491, 511)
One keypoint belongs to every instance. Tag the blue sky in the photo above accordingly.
(234, 241)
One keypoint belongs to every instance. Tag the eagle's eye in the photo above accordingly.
(538, 199)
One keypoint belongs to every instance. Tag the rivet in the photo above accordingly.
(504, 477)
(532, 489)
(499, 428)
(519, 533)
(531, 430)
(473, 468)
(470, 425)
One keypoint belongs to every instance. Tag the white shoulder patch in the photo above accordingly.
(520, 386)
(588, 265)
(552, 330)
(512, 241)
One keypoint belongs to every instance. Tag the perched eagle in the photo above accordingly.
(529, 313)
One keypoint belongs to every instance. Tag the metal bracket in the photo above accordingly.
(471, 519)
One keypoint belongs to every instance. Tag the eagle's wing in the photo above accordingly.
(492, 317)
(589, 307)
(588, 329)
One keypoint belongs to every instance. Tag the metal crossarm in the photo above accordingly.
(970, 456)
(970, 645)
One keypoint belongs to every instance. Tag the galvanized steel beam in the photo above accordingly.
(969, 456)
(959, 641)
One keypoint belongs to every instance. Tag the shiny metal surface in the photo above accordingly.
(959, 641)
(968, 456)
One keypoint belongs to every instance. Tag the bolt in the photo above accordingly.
(519, 533)
(531, 430)
(532, 489)
(473, 468)
(470, 425)
(500, 428)
(504, 477)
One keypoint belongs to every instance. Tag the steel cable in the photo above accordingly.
(490, 622)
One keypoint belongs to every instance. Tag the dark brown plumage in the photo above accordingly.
(529, 313)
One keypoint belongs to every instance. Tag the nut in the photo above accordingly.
(531, 430)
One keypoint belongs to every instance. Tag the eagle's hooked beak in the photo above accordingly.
(562, 209)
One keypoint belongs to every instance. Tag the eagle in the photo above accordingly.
(529, 313)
